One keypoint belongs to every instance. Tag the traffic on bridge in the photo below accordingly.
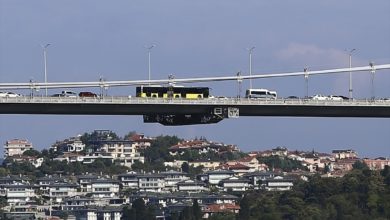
(164, 102)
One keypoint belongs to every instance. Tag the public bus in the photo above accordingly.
(172, 92)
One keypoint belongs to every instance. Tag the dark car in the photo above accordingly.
(292, 97)
(87, 94)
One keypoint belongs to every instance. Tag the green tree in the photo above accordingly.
(244, 213)
(197, 212)
(185, 167)
(32, 153)
(139, 207)
(359, 165)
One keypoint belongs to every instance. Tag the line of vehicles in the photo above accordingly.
(176, 92)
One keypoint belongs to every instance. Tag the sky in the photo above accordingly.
(92, 39)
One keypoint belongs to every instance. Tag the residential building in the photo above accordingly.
(16, 147)
(151, 182)
(141, 142)
(104, 188)
(212, 209)
(214, 177)
(202, 147)
(234, 184)
(257, 178)
(84, 182)
(172, 178)
(18, 194)
(128, 180)
(73, 144)
(57, 192)
(191, 186)
(206, 164)
(124, 151)
(278, 183)
(344, 154)
(377, 164)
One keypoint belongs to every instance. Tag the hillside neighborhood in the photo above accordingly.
(99, 175)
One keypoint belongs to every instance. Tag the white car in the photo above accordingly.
(336, 98)
(9, 94)
(69, 94)
(320, 98)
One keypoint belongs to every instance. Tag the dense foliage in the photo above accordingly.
(284, 163)
(361, 194)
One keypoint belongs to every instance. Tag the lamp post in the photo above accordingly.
(149, 51)
(350, 74)
(45, 64)
(250, 65)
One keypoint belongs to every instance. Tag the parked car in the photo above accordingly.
(87, 94)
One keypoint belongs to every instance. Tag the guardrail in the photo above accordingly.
(206, 101)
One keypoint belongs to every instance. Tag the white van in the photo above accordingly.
(260, 94)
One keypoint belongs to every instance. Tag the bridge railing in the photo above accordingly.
(208, 101)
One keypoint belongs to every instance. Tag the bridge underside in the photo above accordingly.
(181, 114)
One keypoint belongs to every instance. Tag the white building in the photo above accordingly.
(126, 152)
(57, 192)
(16, 147)
(18, 194)
(129, 180)
(192, 186)
(104, 188)
(235, 184)
(278, 183)
(151, 182)
(172, 178)
(214, 177)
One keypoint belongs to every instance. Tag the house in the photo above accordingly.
(234, 184)
(238, 168)
(191, 186)
(70, 157)
(84, 182)
(172, 178)
(128, 180)
(280, 151)
(16, 147)
(35, 161)
(215, 176)
(46, 181)
(18, 193)
(141, 142)
(73, 144)
(124, 151)
(76, 203)
(278, 183)
(58, 191)
(212, 209)
(201, 146)
(253, 163)
(344, 154)
(377, 164)
(344, 165)
(255, 177)
(206, 164)
(151, 182)
(104, 188)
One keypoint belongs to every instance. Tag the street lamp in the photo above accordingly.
(350, 74)
(250, 65)
(149, 51)
(45, 64)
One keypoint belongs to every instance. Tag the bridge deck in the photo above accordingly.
(142, 106)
